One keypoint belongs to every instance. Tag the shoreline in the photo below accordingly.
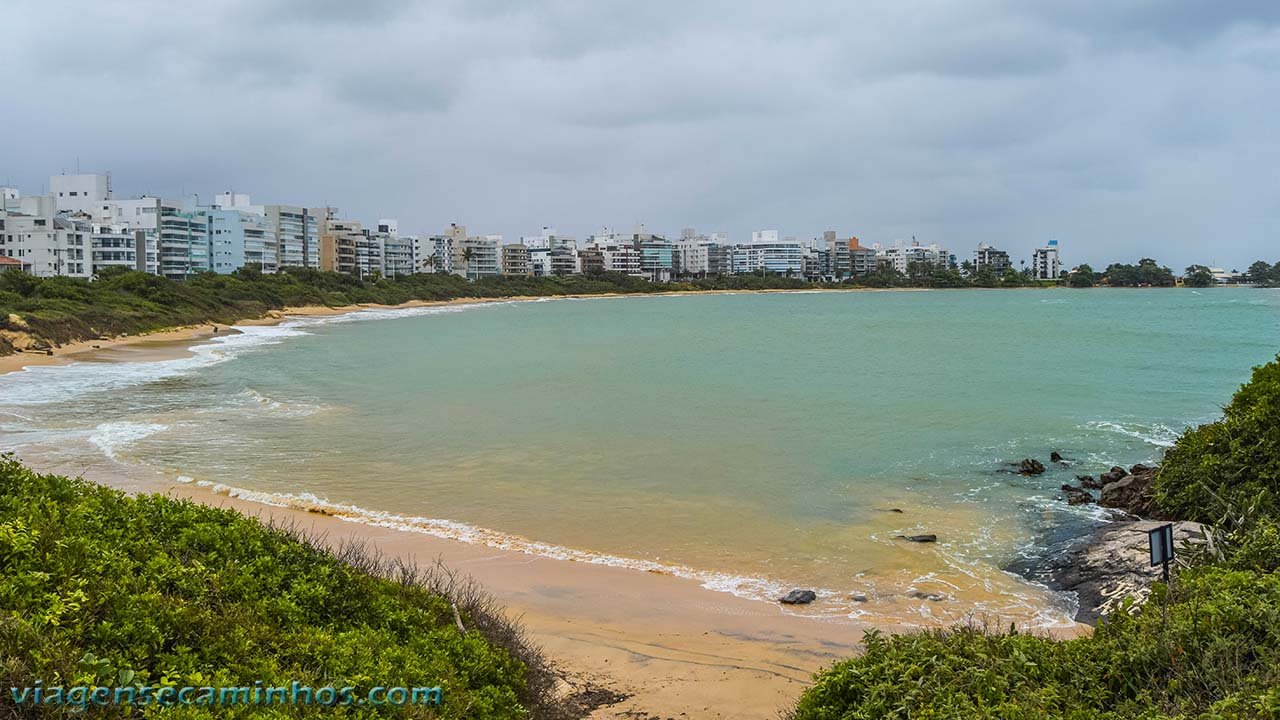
(162, 344)
(642, 634)
(673, 647)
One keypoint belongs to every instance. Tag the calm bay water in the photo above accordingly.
(753, 442)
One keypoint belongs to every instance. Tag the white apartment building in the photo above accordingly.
(398, 252)
(782, 258)
(238, 238)
(47, 244)
(474, 256)
(901, 256)
(118, 245)
(297, 234)
(435, 254)
(763, 237)
(80, 193)
(1045, 264)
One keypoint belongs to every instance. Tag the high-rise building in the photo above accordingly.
(1045, 263)
(862, 260)
(297, 234)
(515, 259)
(901, 257)
(986, 256)
(46, 243)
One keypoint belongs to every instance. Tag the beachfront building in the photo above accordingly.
(986, 256)
(900, 256)
(1045, 263)
(591, 261)
(46, 243)
(697, 256)
(397, 251)
(862, 260)
(81, 192)
(238, 238)
(178, 234)
(338, 239)
(836, 259)
(297, 233)
(434, 254)
(515, 259)
(474, 256)
(118, 245)
(767, 254)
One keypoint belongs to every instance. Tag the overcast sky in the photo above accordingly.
(1132, 128)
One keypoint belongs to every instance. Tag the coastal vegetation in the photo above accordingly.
(1205, 646)
(38, 313)
(98, 588)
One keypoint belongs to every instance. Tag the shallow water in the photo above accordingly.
(753, 442)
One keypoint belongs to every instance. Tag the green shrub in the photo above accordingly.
(97, 587)
(1231, 466)
(1208, 646)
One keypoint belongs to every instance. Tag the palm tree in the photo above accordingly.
(467, 254)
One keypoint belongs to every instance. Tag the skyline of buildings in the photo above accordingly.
(79, 228)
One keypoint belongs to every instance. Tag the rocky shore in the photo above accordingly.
(1112, 562)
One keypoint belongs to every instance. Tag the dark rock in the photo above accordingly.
(1112, 475)
(1132, 493)
(932, 597)
(1030, 466)
(799, 597)
(923, 538)
(1087, 481)
(1076, 496)
(1055, 456)
(1141, 469)
(858, 597)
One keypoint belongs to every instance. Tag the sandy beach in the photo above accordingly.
(675, 649)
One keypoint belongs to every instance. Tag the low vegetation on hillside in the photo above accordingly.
(102, 589)
(1206, 646)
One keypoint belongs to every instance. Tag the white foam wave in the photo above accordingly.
(275, 407)
(391, 313)
(42, 385)
(112, 437)
(1153, 433)
(754, 588)
(48, 384)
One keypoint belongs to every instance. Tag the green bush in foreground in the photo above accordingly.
(1206, 647)
(1232, 466)
(97, 587)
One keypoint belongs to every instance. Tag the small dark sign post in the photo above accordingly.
(1160, 540)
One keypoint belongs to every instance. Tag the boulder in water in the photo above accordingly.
(1076, 496)
(1030, 466)
(799, 597)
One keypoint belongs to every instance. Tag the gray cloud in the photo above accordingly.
(1121, 128)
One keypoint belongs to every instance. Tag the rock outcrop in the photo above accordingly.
(1077, 496)
(798, 597)
(922, 538)
(1131, 492)
(1030, 466)
(1111, 564)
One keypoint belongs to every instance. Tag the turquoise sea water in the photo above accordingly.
(752, 442)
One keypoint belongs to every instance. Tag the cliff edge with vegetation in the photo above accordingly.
(1205, 646)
